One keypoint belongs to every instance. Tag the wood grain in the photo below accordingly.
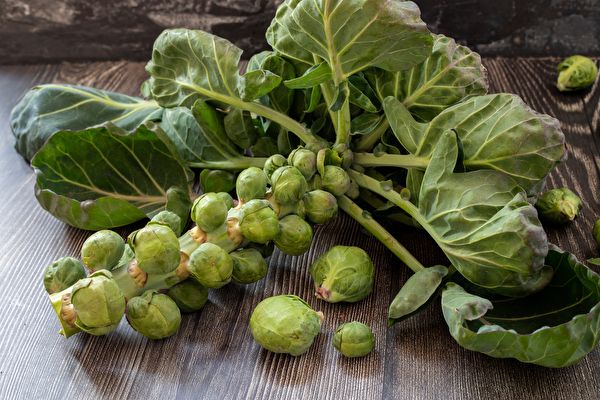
(213, 356)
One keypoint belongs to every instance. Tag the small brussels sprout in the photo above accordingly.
(576, 72)
(305, 161)
(251, 184)
(295, 235)
(335, 180)
(211, 266)
(266, 249)
(273, 163)
(559, 206)
(354, 339)
(153, 315)
(596, 232)
(343, 273)
(62, 274)
(226, 198)
(249, 266)
(209, 212)
(102, 250)
(169, 219)
(288, 185)
(320, 206)
(98, 303)
(216, 180)
(189, 295)
(285, 324)
(259, 223)
(156, 248)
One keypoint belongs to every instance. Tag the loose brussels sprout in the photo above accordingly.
(156, 248)
(102, 250)
(343, 274)
(320, 206)
(211, 266)
(596, 232)
(169, 219)
(273, 163)
(288, 185)
(62, 274)
(153, 315)
(216, 180)
(295, 235)
(354, 339)
(285, 324)
(559, 206)
(259, 223)
(209, 212)
(576, 72)
(98, 302)
(251, 184)
(335, 180)
(305, 161)
(189, 295)
(249, 266)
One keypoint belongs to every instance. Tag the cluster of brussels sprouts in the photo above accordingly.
(156, 275)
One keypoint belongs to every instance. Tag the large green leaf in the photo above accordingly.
(498, 132)
(351, 35)
(450, 74)
(104, 177)
(47, 109)
(555, 327)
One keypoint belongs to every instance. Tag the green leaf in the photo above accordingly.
(362, 95)
(280, 98)
(351, 35)
(47, 109)
(416, 294)
(216, 144)
(365, 123)
(314, 76)
(498, 132)
(451, 73)
(258, 83)
(555, 327)
(594, 261)
(240, 128)
(104, 177)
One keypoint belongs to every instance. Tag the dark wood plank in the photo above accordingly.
(214, 356)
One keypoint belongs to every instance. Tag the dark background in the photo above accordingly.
(33, 31)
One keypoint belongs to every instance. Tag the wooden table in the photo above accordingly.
(213, 355)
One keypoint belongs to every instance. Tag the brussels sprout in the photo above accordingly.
(343, 274)
(320, 206)
(305, 161)
(266, 249)
(153, 315)
(295, 235)
(285, 324)
(249, 266)
(288, 185)
(156, 248)
(226, 198)
(251, 184)
(216, 180)
(102, 250)
(211, 266)
(596, 232)
(335, 180)
(273, 163)
(354, 339)
(98, 302)
(189, 295)
(169, 219)
(576, 72)
(259, 223)
(62, 274)
(559, 206)
(209, 212)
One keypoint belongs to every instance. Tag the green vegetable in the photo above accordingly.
(273, 163)
(189, 295)
(217, 181)
(343, 273)
(320, 206)
(559, 206)
(210, 265)
(154, 315)
(259, 223)
(335, 180)
(156, 249)
(575, 73)
(305, 161)
(170, 220)
(295, 235)
(249, 266)
(251, 184)
(102, 250)
(288, 185)
(354, 339)
(63, 273)
(209, 212)
(285, 324)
